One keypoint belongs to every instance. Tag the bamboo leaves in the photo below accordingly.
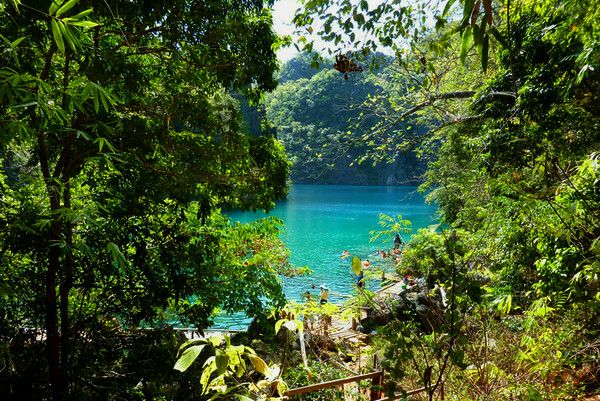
(66, 29)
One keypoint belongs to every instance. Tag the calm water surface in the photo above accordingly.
(321, 221)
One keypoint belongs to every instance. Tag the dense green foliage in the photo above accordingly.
(515, 129)
(121, 140)
(322, 121)
(119, 144)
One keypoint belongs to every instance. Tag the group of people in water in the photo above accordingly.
(360, 278)
(398, 248)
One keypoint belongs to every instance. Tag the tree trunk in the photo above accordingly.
(51, 318)
(65, 289)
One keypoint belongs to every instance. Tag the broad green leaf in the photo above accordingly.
(356, 265)
(222, 362)
(188, 343)
(188, 356)
(204, 379)
(210, 361)
(56, 33)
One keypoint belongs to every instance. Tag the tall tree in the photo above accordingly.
(119, 143)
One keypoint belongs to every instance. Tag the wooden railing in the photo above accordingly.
(376, 376)
(376, 392)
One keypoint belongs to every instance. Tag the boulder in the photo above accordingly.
(423, 306)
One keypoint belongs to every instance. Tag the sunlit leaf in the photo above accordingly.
(215, 341)
(188, 356)
(222, 362)
(54, 6)
(66, 7)
(56, 33)
(259, 364)
(356, 265)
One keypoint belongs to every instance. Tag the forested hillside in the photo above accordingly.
(123, 139)
(320, 119)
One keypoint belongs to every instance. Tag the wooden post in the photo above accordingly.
(377, 387)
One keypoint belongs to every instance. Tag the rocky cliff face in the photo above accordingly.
(405, 170)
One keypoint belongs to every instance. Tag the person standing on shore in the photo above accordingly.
(361, 281)
(397, 242)
(324, 293)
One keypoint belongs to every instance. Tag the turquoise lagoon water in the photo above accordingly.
(321, 221)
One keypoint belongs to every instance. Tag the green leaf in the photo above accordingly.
(66, 7)
(53, 7)
(24, 104)
(222, 361)
(215, 341)
(84, 24)
(188, 356)
(82, 14)
(449, 4)
(72, 41)
(499, 37)
(56, 32)
(468, 9)
(356, 265)
(96, 99)
(116, 254)
(484, 53)
(16, 42)
(204, 379)
(466, 41)
(278, 325)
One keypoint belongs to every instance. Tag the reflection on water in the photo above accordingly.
(321, 221)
